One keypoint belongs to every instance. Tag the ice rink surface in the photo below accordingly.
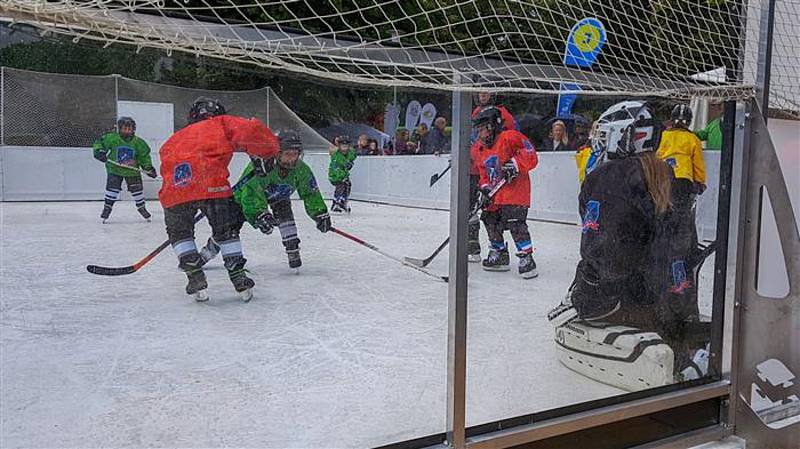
(349, 353)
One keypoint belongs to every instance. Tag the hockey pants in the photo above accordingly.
(225, 219)
(341, 192)
(508, 218)
(114, 188)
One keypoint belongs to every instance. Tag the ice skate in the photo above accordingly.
(197, 286)
(145, 214)
(527, 266)
(337, 208)
(473, 251)
(244, 286)
(497, 260)
(346, 206)
(105, 214)
(294, 259)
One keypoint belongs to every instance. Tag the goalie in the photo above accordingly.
(624, 322)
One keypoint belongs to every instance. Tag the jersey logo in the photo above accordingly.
(125, 155)
(680, 280)
(528, 145)
(591, 219)
(182, 175)
(279, 191)
(492, 169)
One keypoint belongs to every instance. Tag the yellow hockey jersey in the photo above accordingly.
(682, 150)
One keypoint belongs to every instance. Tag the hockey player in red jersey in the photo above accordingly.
(485, 99)
(505, 155)
(194, 166)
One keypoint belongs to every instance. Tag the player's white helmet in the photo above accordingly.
(624, 129)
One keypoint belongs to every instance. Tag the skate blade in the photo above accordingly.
(474, 258)
(201, 296)
(500, 268)
(530, 274)
(246, 295)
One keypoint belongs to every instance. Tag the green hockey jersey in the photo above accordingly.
(133, 152)
(254, 196)
(340, 166)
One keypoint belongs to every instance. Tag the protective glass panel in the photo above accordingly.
(342, 343)
(594, 254)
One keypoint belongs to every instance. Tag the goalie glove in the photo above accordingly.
(323, 222)
(265, 222)
(510, 170)
(262, 166)
(151, 172)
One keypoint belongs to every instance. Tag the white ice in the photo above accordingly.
(349, 353)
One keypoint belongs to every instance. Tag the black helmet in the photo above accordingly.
(343, 139)
(126, 121)
(489, 115)
(681, 115)
(290, 140)
(204, 108)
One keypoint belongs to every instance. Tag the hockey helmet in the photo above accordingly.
(126, 123)
(624, 129)
(491, 120)
(681, 116)
(291, 149)
(204, 108)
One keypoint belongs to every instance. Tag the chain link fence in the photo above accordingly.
(56, 110)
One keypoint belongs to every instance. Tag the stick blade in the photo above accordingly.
(415, 262)
(108, 271)
(434, 178)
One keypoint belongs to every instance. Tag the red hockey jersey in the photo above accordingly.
(509, 145)
(194, 161)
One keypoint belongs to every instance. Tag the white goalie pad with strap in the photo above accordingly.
(621, 356)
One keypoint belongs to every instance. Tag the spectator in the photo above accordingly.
(438, 139)
(362, 145)
(420, 138)
(581, 136)
(372, 148)
(558, 139)
(411, 148)
(401, 141)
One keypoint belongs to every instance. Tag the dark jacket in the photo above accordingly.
(438, 142)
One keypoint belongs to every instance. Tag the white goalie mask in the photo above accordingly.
(624, 129)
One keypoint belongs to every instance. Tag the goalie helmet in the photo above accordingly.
(291, 149)
(204, 108)
(624, 129)
(126, 122)
(491, 119)
(681, 116)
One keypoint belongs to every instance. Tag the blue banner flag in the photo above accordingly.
(584, 43)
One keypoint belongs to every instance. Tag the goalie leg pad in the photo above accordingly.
(620, 356)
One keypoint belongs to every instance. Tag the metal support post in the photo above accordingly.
(764, 69)
(457, 287)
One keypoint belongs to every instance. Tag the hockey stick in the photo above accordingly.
(119, 271)
(437, 176)
(117, 164)
(472, 216)
(396, 259)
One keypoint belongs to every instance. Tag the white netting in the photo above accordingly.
(660, 47)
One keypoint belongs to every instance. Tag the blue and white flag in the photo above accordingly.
(584, 43)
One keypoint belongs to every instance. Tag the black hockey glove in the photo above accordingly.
(483, 198)
(151, 172)
(348, 166)
(265, 221)
(262, 166)
(510, 170)
(101, 156)
(699, 188)
(323, 222)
